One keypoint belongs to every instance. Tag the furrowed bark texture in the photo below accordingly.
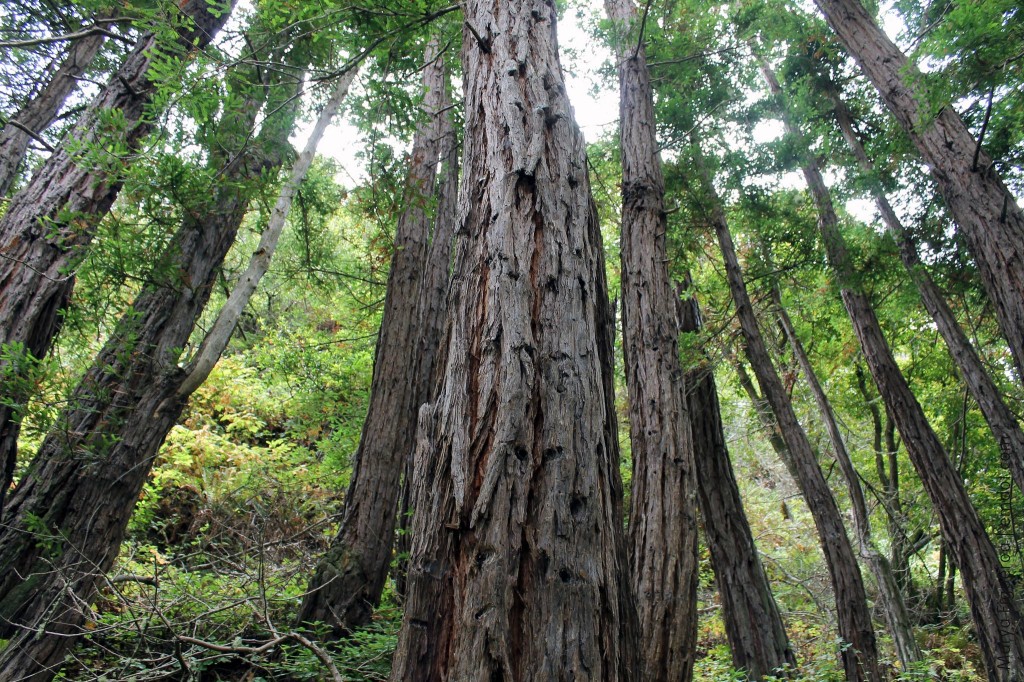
(1000, 419)
(518, 569)
(860, 659)
(757, 636)
(68, 515)
(985, 210)
(663, 513)
(894, 608)
(51, 221)
(39, 112)
(994, 610)
(349, 579)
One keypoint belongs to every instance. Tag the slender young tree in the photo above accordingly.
(39, 112)
(79, 491)
(1000, 418)
(985, 210)
(860, 658)
(989, 592)
(757, 636)
(350, 577)
(663, 513)
(518, 568)
(51, 221)
(894, 607)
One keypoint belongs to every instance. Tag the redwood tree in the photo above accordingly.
(518, 567)
(663, 513)
(984, 209)
(349, 579)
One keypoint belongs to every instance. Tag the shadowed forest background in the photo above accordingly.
(732, 391)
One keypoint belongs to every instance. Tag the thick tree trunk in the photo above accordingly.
(860, 658)
(518, 569)
(1000, 419)
(39, 112)
(349, 579)
(68, 515)
(897, 617)
(989, 592)
(986, 211)
(51, 221)
(663, 513)
(753, 624)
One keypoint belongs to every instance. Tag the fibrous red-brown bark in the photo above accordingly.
(51, 221)
(663, 512)
(984, 209)
(349, 579)
(518, 564)
(860, 658)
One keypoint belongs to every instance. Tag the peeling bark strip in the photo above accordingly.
(663, 515)
(985, 210)
(83, 483)
(860, 658)
(38, 113)
(350, 577)
(1000, 419)
(757, 637)
(997, 619)
(52, 220)
(518, 570)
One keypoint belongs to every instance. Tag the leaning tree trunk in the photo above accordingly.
(350, 577)
(985, 210)
(39, 112)
(1000, 419)
(518, 569)
(757, 636)
(432, 313)
(894, 607)
(51, 221)
(996, 616)
(69, 513)
(860, 658)
(663, 512)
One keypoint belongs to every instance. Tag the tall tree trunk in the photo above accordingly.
(51, 221)
(40, 111)
(897, 617)
(753, 624)
(350, 577)
(69, 513)
(996, 616)
(663, 513)
(860, 658)
(1000, 419)
(986, 211)
(518, 569)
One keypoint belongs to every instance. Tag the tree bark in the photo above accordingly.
(69, 513)
(39, 112)
(663, 513)
(350, 577)
(985, 210)
(1000, 419)
(897, 617)
(51, 221)
(757, 636)
(860, 658)
(518, 569)
(989, 592)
